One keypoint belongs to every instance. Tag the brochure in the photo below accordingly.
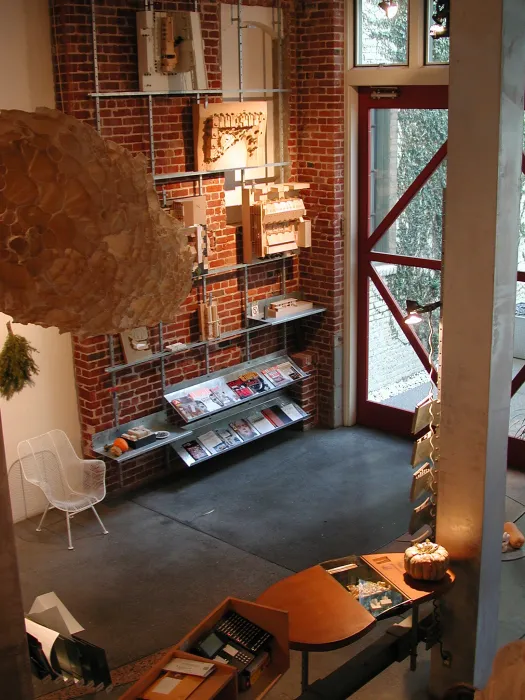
(276, 415)
(255, 382)
(240, 388)
(288, 371)
(292, 411)
(274, 376)
(188, 408)
(260, 423)
(229, 437)
(207, 397)
(244, 429)
(195, 450)
(212, 442)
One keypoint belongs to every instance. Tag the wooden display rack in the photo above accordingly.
(222, 684)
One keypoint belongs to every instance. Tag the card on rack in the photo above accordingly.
(260, 423)
(229, 438)
(244, 429)
(212, 442)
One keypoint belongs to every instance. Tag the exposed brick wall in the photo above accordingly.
(313, 55)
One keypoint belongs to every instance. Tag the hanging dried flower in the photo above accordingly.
(17, 366)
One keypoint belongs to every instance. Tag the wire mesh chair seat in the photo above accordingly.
(69, 483)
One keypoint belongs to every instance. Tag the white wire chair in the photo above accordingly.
(69, 483)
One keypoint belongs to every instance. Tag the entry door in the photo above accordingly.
(402, 176)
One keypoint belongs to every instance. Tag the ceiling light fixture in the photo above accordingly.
(389, 7)
(441, 27)
(415, 309)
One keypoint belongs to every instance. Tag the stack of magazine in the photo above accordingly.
(242, 430)
(200, 401)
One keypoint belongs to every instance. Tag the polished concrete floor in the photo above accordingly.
(232, 527)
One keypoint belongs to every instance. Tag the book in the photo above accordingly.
(288, 371)
(212, 442)
(260, 423)
(292, 411)
(195, 450)
(244, 429)
(189, 408)
(276, 415)
(240, 388)
(255, 382)
(274, 376)
(229, 437)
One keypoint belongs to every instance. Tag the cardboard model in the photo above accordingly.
(84, 243)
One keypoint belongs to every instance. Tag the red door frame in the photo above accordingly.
(372, 414)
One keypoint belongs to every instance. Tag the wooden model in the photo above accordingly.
(84, 243)
(229, 135)
(191, 212)
(287, 307)
(198, 241)
(209, 323)
(135, 344)
(170, 51)
(273, 220)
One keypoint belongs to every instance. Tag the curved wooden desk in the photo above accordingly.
(324, 616)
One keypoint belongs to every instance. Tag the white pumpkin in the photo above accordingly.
(427, 561)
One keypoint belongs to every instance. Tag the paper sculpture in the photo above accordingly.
(229, 135)
(84, 243)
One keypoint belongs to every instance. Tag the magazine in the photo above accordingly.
(195, 450)
(207, 397)
(240, 388)
(274, 376)
(260, 423)
(188, 408)
(244, 429)
(292, 411)
(288, 371)
(255, 382)
(222, 393)
(229, 437)
(212, 442)
(276, 415)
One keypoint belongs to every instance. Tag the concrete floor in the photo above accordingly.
(233, 527)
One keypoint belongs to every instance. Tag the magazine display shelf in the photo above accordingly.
(182, 389)
(223, 422)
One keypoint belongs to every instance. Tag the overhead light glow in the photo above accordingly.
(389, 7)
(412, 319)
(415, 309)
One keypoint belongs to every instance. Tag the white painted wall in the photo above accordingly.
(26, 82)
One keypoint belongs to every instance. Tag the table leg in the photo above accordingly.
(304, 671)
(414, 638)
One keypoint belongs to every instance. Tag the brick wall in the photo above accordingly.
(314, 55)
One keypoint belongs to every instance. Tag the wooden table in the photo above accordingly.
(324, 616)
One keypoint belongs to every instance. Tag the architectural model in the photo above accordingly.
(170, 51)
(287, 307)
(84, 243)
(273, 220)
(229, 135)
(136, 344)
(210, 326)
(191, 212)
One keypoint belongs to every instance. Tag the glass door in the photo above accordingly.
(402, 176)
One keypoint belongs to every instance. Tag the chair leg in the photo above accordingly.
(39, 528)
(69, 531)
(100, 521)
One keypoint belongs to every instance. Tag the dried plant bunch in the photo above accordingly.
(84, 243)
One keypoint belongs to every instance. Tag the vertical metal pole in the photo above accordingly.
(95, 64)
(280, 73)
(113, 381)
(162, 359)
(151, 135)
(239, 39)
(482, 224)
(283, 291)
(15, 672)
(246, 320)
(207, 345)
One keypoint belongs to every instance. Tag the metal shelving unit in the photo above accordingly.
(250, 326)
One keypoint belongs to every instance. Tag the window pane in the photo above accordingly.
(380, 40)
(438, 50)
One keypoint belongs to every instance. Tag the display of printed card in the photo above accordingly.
(188, 408)
(260, 423)
(229, 438)
(292, 411)
(196, 450)
(288, 371)
(212, 442)
(244, 429)
(275, 377)
(240, 388)
(255, 382)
